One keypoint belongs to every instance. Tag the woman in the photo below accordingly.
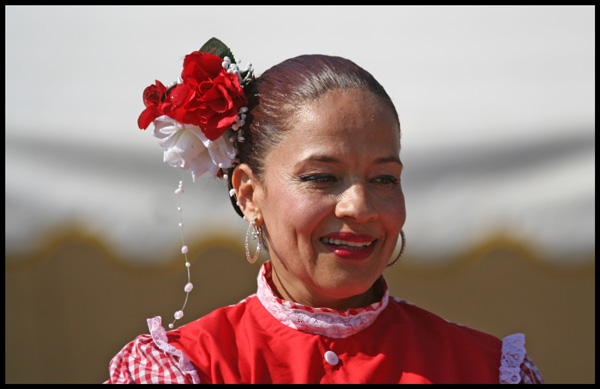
(317, 175)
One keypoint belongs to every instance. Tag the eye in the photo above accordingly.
(319, 179)
(386, 180)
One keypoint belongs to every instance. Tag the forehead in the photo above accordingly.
(346, 119)
(346, 104)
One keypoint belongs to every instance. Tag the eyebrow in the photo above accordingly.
(390, 159)
(328, 159)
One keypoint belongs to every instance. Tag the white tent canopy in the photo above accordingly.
(496, 105)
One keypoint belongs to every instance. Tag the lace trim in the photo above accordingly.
(159, 336)
(513, 354)
(321, 321)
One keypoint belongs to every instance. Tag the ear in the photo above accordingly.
(248, 191)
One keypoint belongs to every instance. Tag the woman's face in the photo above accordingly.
(331, 201)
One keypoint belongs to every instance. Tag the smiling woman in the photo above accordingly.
(317, 173)
(330, 199)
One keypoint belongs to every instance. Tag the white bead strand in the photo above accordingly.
(184, 250)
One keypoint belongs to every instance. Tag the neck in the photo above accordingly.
(340, 304)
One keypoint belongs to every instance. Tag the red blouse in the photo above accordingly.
(264, 339)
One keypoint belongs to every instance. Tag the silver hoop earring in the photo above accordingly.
(256, 233)
(401, 250)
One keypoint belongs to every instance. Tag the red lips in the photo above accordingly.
(349, 245)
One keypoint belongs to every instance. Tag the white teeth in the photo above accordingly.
(337, 242)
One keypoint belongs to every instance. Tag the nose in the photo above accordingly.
(354, 203)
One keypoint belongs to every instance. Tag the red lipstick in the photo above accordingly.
(348, 245)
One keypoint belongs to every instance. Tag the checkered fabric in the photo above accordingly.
(141, 361)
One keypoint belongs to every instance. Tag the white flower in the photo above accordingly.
(187, 147)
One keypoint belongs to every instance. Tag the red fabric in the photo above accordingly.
(265, 340)
(244, 343)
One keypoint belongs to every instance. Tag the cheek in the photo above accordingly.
(395, 213)
(293, 212)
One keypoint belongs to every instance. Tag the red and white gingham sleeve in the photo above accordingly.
(530, 373)
(150, 359)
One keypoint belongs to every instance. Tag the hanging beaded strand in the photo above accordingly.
(239, 122)
(184, 250)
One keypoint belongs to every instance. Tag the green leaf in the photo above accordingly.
(216, 47)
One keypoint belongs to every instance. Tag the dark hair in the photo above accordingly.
(275, 97)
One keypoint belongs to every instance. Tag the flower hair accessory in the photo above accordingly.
(197, 119)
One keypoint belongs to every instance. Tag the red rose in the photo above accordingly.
(201, 66)
(179, 101)
(218, 108)
(152, 100)
(208, 97)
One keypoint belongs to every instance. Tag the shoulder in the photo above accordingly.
(508, 354)
(161, 356)
(149, 359)
(421, 321)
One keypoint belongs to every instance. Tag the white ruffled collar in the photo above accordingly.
(322, 321)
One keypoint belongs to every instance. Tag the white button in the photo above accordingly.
(331, 358)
